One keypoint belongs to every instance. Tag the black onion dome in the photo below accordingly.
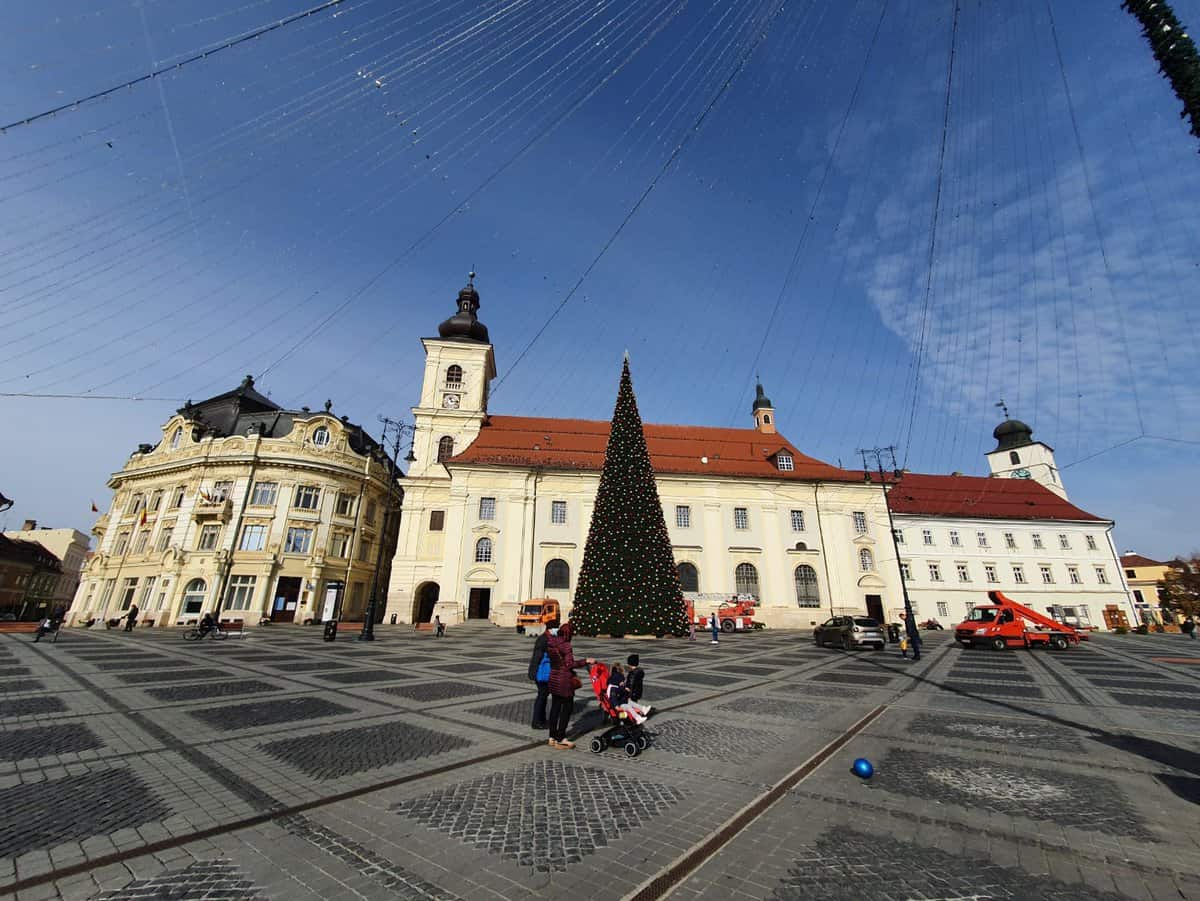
(1012, 433)
(761, 401)
(465, 324)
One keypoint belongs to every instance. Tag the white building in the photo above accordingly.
(497, 509)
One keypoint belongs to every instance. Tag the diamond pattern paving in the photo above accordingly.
(360, 676)
(777, 707)
(1025, 734)
(47, 741)
(268, 713)
(217, 880)
(546, 815)
(18, 686)
(331, 755)
(32, 706)
(8, 672)
(190, 675)
(437, 691)
(700, 738)
(851, 678)
(211, 690)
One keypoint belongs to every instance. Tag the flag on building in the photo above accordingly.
(142, 521)
(95, 509)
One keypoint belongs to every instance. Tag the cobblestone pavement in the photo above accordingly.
(283, 767)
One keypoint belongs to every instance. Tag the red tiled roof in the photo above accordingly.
(675, 449)
(978, 496)
(1139, 560)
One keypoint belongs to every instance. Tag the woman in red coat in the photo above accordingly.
(562, 684)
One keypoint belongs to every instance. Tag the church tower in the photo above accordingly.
(459, 368)
(1018, 456)
(764, 413)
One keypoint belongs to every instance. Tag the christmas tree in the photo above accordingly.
(628, 584)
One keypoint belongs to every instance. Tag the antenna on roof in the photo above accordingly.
(1003, 406)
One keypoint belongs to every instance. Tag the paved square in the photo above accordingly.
(331, 755)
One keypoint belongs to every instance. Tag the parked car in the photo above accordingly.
(848, 632)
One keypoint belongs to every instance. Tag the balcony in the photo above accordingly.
(212, 508)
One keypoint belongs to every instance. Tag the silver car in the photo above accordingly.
(848, 632)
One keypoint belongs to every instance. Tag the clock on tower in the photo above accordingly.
(450, 401)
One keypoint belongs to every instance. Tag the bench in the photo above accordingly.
(234, 629)
(26, 628)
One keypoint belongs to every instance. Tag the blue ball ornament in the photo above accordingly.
(863, 768)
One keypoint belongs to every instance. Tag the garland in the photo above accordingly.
(1175, 52)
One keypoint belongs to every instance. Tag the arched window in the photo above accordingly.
(176, 438)
(193, 596)
(767, 418)
(445, 448)
(689, 578)
(558, 575)
(454, 376)
(807, 592)
(320, 437)
(1014, 457)
(866, 562)
(483, 550)
(745, 577)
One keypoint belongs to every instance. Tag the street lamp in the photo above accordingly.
(398, 430)
(6, 504)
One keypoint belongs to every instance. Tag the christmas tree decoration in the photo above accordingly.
(628, 584)
(1175, 52)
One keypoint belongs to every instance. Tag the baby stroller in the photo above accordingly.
(621, 730)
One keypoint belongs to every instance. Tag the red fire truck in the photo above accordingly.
(1006, 624)
(734, 615)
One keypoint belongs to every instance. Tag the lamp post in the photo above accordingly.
(877, 454)
(398, 430)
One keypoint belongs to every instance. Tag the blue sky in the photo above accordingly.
(305, 206)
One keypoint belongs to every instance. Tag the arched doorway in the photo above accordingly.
(423, 603)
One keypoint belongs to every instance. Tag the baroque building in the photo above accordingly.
(248, 509)
(70, 546)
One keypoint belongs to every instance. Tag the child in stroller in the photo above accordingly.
(623, 730)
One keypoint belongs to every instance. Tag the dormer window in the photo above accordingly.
(454, 376)
(176, 438)
(1014, 457)
(320, 437)
(784, 461)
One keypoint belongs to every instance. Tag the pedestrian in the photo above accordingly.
(539, 674)
(635, 677)
(131, 619)
(692, 629)
(716, 628)
(904, 646)
(439, 628)
(563, 683)
(45, 627)
(914, 640)
(1189, 628)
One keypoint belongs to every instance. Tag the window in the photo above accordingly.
(254, 537)
(905, 572)
(558, 512)
(935, 572)
(1091, 542)
(741, 518)
(221, 490)
(240, 592)
(558, 575)
(989, 572)
(298, 540)
(345, 504)
(483, 550)
(1073, 575)
(745, 579)
(1014, 457)
(964, 574)
(866, 562)
(177, 498)
(689, 577)
(683, 517)
(445, 448)
(1037, 539)
(785, 461)
(122, 542)
(1019, 575)
(339, 544)
(164, 537)
(808, 594)
(1130, 574)
(308, 497)
(137, 503)
(139, 543)
(1064, 542)
(981, 538)
(943, 608)
(128, 588)
(860, 522)
(193, 596)
(1010, 541)
(364, 550)
(107, 594)
(437, 520)
(147, 595)
(263, 494)
(927, 536)
(1101, 575)
(369, 513)
(898, 535)
(156, 500)
(797, 520)
(208, 537)
(320, 437)
(954, 539)
(1047, 575)
(454, 376)
(176, 438)
(487, 508)
(1137, 596)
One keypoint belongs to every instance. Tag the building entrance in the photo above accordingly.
(287, 596)
(426, 599)
(875, 608)
(480, 604)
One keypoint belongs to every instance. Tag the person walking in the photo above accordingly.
(131, 619)
(692, 629)
(563, 683)
(716, 628)
(1189, 628)
(539, 674)
(45, 627)
(439, 628)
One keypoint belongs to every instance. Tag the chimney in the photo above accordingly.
(29, 525)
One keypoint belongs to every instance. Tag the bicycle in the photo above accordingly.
(194, 634)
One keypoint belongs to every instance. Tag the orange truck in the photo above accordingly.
(1006, 624)
(535, 613)
(734, 615)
